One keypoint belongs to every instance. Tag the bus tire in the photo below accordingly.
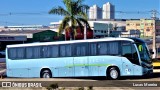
(113, 73)
(46, 73)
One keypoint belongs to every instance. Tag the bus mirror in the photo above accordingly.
(152, 52)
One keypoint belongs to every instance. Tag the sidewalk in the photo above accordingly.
(2, 73)
(2, 69)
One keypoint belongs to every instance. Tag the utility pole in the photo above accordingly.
(154, 12)
(85, 27)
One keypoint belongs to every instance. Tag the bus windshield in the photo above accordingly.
(144, 52)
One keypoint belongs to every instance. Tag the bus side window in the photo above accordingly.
(29, 52)
(65, 50)
(81, 49)
(113, 48)
(54, 51)
(102, 48)
(37, 52)
(127, 51)
(45, 51)
(135, 55)
(12, 53)
(20, 53)
(93, 49)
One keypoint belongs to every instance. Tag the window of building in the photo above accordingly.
(137, 24)
(146, 24)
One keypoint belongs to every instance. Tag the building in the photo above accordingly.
(131, 33)
(100, 27)
(33, 35)
(145, 26)
(108, 11)
(95, 12)
(54, 26)
(24, 27)
(158, 27)
(103, 27)
(27, 36)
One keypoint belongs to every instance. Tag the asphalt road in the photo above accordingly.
(99, 83)
(154, 77)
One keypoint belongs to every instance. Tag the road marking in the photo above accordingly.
(156, 70)
(156, 64)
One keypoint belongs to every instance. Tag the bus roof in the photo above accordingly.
(137, 40)
(70, 42)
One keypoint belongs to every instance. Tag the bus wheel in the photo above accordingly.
(113, 73)
(46, 74)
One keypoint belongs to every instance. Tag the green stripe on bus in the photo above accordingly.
(88, 65)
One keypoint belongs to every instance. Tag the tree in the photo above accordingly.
(74, 14)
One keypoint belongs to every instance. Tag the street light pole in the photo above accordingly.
(85, 28)
(154, 33)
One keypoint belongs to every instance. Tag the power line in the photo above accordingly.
(8, 22)
(23, 13)
(46, 13)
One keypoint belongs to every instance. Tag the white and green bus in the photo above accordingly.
(110, 57)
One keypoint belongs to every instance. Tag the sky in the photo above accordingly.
(28, 12)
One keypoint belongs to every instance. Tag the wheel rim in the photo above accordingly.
(46, 75)
(114, 74)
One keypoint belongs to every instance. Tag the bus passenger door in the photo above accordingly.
(136, 63)
(132, 60)
(127, 67)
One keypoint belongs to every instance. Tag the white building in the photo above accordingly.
(54, 26)
(95, 12)
(108, 11)
(24, 27)
(103, 27)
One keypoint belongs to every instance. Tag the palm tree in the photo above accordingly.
(75, 14)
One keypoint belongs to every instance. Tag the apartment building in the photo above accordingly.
(146, 26)
(95, 12)
(108, 11)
